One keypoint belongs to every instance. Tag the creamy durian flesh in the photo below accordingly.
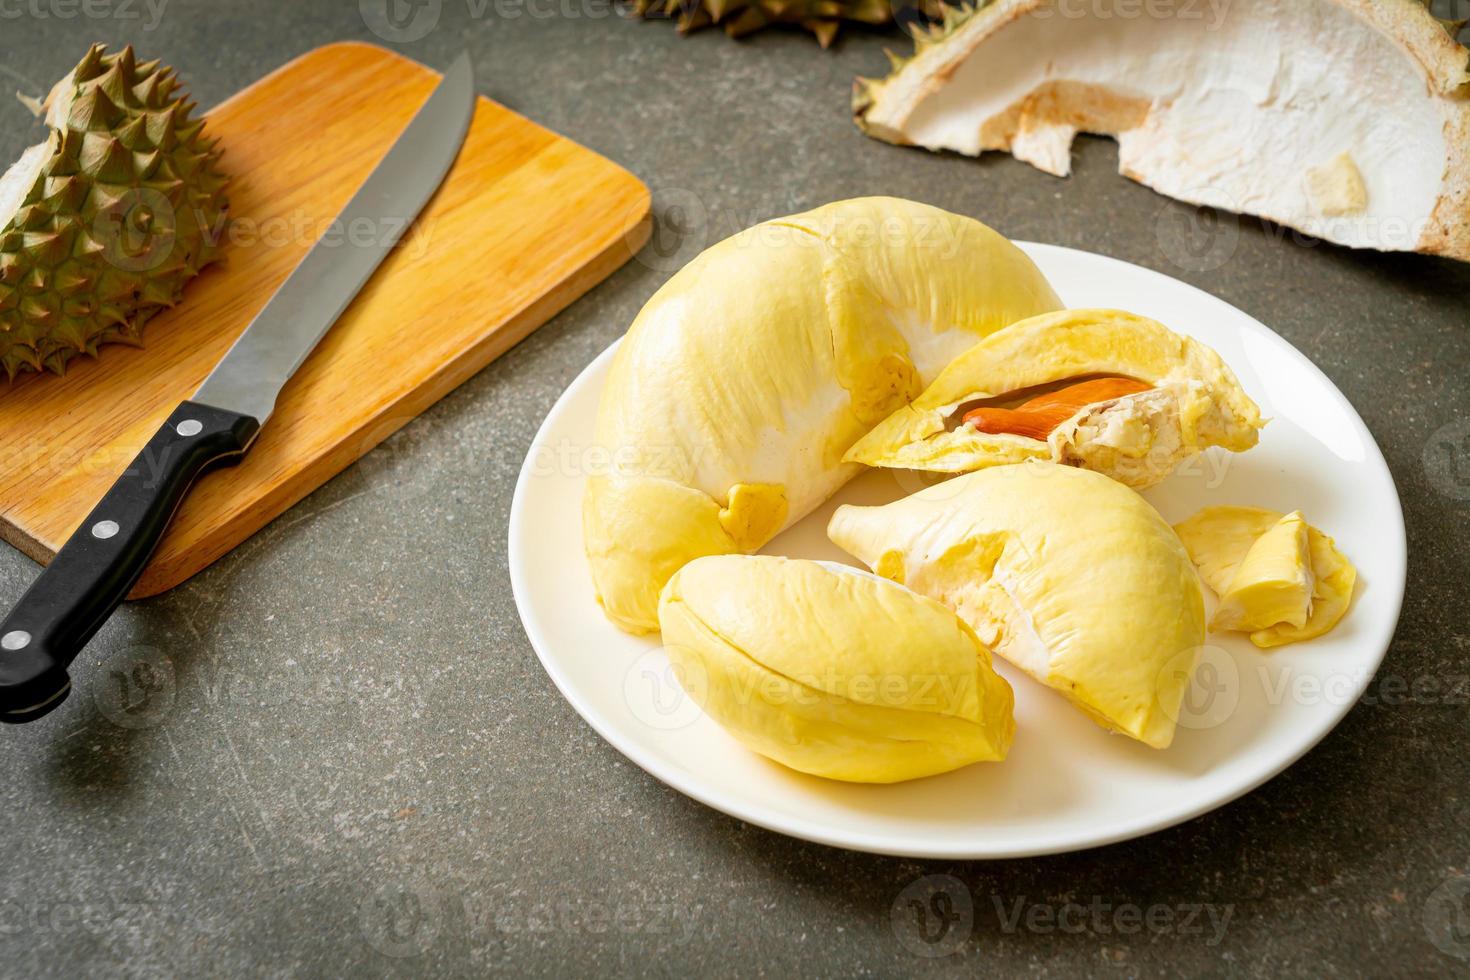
(1273, 583)
(1100, 389)
(832, 671)
(750, 373)
(1067, 574)
(1278, 578)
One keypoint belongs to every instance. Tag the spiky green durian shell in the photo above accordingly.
(821, 17)
(125, 210)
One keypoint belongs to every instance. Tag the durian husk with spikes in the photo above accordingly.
(822, 17)
(102, 225)
(930, 34)
(1294, 123)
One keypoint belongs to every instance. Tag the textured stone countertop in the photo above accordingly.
(358, 766)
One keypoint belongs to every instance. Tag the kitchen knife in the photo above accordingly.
(102, 560)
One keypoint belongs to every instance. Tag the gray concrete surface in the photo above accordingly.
(335, 752)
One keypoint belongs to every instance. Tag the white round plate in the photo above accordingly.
(1067, 784)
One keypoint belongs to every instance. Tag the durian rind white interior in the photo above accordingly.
(744, 380)
(1346, 119)
(1195, 403)
(1220, 539)
(1067, 574)
(832, 671)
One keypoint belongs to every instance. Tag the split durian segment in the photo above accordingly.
(737, 390)
(1348, 120)
(103, 224)
(741, 17)
(1278, 578)
(1194, 402)
(832, 671)
(1273, 583)
(1070, 576)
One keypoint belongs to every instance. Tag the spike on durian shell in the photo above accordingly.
(126, 63)
(91, 64)
(105, 160)
(116, 83)
(120, 212)
(93, 112)
(146, 92)
(874, 12)
(748, 21)
(825, 30)
(161, 129)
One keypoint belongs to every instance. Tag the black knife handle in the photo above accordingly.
(102, 560)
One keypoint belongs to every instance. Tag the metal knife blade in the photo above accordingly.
(279, 339)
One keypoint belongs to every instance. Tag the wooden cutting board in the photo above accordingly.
(526, 222)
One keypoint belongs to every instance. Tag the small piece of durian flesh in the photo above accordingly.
(1220, 540)
(1337, 189)
(1273, 583)
(1332, 593)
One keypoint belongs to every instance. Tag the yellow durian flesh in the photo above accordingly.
(1219, 539)
(640, 531)
(1273, 583)
(1195, 402)
(832, 671)
(1069, 575)
(751, 372)
(1332, 592)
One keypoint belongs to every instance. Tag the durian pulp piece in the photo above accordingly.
(1195, 401)
(1348, 120)
(1337, 188)
(1273, 583)
(832, 671)
(103, 224)
(1070, 576)
(1220, 540)
(1333, 579)
(731, 401)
